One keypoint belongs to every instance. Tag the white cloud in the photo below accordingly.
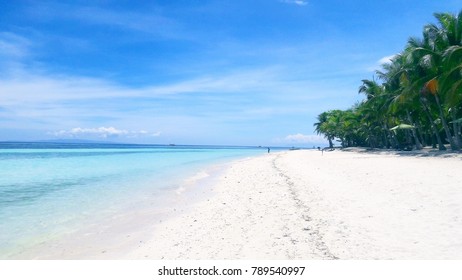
(386, 59)
(296, 2)
(304, 139)
(31, 88)
(380, 62)
(221, 102)
(151, 22)
(102, 132)
(13, 46)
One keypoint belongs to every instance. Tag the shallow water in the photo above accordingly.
(47, 190)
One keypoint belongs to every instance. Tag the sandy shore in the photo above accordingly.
(305, 205)
(289, 205)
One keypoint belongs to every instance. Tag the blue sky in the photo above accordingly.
(241, 72)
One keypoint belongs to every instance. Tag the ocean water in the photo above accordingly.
(47, 189)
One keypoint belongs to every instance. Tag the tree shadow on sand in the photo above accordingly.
(415, 153)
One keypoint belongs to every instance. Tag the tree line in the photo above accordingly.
(414, 101)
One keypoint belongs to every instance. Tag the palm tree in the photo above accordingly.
(422, 86)
(375, 111)
(451, 79)
(322, 128)
(401, 103)
(428, 55)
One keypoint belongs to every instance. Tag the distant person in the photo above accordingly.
(268, 150)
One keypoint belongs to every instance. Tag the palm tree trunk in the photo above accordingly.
(384, 142)
(388, 139)
(371, 141)
(456, 127)
(393, 143)
(423, 141)
(433, 141)
(454, 146)
(418, 146)
(441, 146)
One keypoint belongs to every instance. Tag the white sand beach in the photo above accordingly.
(291, 205)
(305, 205)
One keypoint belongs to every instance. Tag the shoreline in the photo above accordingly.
(298, 204)
(304, 205)
(112, 235)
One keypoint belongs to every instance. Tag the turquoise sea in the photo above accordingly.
(50, 189)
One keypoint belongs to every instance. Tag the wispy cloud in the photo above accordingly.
(254, 93)
(300, 139)
(386, 59)
(378, 64)
(95, 108)
(102, 132)
(296, 2)
(151, 22)
(304, 139)
(148, 23)
(36, 88)
(13, 45)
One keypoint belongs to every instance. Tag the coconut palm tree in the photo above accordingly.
(422, 86)
(450, 82)
(322, 127)
(428, 55)
(376, 107)
(401, 103)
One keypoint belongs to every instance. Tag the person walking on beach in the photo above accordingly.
(268, 150)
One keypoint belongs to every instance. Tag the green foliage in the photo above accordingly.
(421, 86)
